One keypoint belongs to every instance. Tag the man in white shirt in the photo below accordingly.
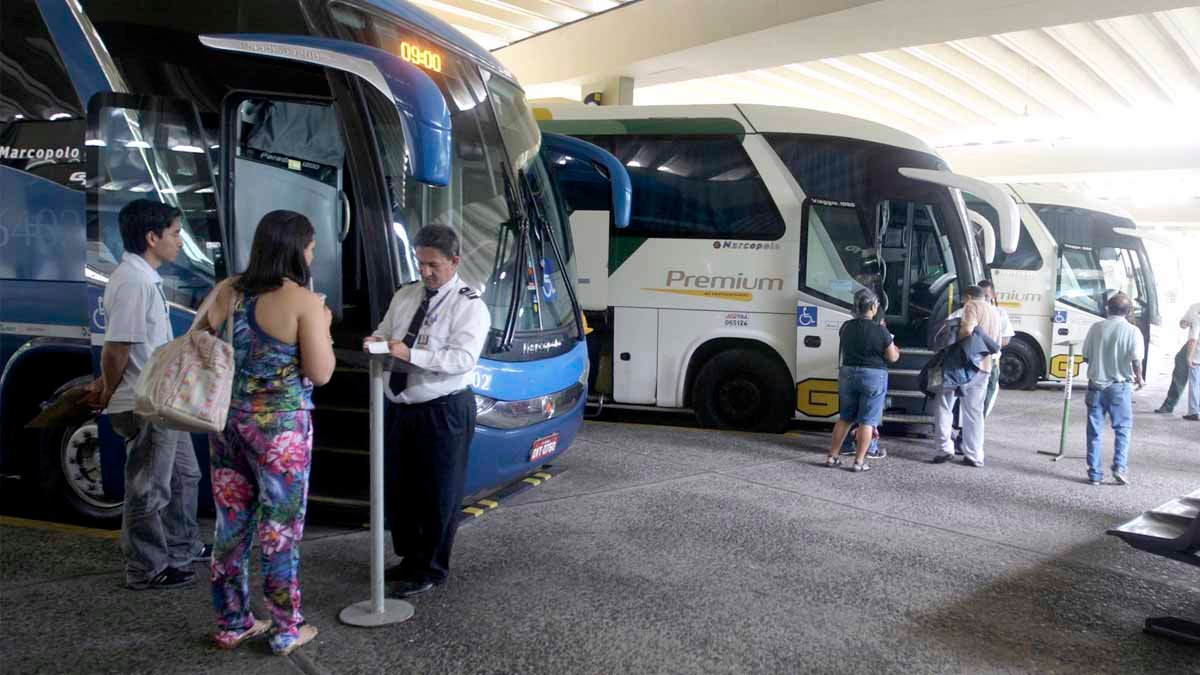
(438, 326)
(159, 534)
(1006, 335)
(1179, 375)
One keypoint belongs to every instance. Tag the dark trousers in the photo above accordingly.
(427, 445)
(1179, 379)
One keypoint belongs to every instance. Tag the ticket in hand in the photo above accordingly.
(378, 348)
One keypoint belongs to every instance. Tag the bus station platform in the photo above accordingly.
(668, 549)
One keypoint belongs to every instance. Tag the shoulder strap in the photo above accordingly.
(233, 304)
(469, 292)
(202, 312)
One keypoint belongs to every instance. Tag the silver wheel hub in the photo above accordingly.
(80, 460)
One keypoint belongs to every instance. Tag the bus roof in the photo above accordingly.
(749, 117)
(1038, 193)
(431, 24)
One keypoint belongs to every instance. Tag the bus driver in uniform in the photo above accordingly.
(439, 326)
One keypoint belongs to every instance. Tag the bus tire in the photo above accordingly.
(743, 389)
(69, 475)
(1020, 367)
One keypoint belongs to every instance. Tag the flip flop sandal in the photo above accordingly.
(307, 633)
(231, 640)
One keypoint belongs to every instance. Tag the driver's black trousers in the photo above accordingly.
(427, 445)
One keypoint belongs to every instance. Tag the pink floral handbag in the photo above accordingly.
(188, 381)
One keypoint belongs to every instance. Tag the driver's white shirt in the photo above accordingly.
(449, 342)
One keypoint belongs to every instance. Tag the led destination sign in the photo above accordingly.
(420, 56)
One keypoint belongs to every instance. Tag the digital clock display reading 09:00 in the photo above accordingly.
(420, 56)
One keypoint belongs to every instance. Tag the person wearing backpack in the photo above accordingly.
(866, 348)
(261, 462)
(159, 534)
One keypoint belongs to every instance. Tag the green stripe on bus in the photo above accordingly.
(619, 250)
(682, 126)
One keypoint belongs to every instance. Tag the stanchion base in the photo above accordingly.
(361, 614)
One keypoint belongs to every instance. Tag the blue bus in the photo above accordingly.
(370, 117)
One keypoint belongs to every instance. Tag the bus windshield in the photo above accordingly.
(488, 117)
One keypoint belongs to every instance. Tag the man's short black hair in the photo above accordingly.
(441, 237)
(1119, 305)
(141, 217)
(974, 293)
(987, 283)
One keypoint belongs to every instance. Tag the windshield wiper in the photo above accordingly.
(520, 221)
(543, 223)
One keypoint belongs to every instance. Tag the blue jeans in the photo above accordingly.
(1194, 390)
(1115, 401)
(861, 392)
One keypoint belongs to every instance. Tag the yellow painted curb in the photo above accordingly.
(60, 528)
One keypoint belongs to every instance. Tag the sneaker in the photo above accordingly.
(1192, 418)
(1163, 410)
(169, 578)
(205, 554)
(859, 468)
(1094, 482)
(942, 458)
(833, 461)
(967, 461)
(1120, 478)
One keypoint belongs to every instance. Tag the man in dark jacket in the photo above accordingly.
(971, 393)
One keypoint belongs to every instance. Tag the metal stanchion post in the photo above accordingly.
(379, 610)
(1066, 416)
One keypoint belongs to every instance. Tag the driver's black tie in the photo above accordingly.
(399, 380)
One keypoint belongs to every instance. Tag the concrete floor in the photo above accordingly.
(662, 549)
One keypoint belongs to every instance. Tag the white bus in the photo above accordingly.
(752, 228)
(1072, 253)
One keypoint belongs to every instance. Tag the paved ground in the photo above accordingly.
(678, 550)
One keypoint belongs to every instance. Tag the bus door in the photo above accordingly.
(292, 153)
(1079, 303)
(917, 267)
(837, 259)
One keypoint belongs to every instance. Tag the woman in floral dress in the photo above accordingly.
(260, 463)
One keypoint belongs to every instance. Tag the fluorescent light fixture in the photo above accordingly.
(634, 163)
(187, 148)
(204, 191)
(60, 116)
(144, 187)
(137, 144)
(96, 143)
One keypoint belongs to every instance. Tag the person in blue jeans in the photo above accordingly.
(866, 348)
(1114, 351)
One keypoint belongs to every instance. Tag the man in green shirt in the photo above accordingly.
(1114, 351)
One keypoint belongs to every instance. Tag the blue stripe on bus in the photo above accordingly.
(516, 381)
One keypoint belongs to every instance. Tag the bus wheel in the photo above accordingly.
(743, 389)
(1019, 366)
(71, 474)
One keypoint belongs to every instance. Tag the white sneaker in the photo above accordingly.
(1120, 478)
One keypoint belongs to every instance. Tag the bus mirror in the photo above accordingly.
(618, 175)
(1107, 253)
(989, 235)
(1009, 224)
(420, 106)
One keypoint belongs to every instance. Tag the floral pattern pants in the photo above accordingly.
(260, 469)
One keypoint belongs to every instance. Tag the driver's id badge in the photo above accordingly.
(423, 340)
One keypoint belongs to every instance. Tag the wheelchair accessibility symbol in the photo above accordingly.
(806, 315)
(1060, 316)
(99, 319)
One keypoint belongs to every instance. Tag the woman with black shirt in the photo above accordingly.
(866, 348)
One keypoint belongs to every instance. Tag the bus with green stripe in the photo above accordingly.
(752, 227)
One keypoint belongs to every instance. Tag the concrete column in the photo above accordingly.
(612, 91)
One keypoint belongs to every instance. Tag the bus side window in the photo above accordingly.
(836, 257)
(151, 148)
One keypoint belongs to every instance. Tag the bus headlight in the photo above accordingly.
(490, 412)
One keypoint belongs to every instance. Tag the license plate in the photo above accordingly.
(543, 447)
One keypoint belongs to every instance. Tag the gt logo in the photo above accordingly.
(817, 397)
(1058, 366)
